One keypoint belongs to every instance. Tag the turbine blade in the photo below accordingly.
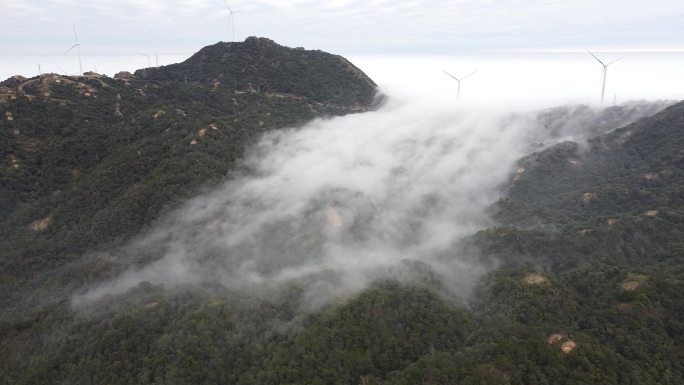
(75, 35)
(470, 74)
(599, 60)
(615, 61)
(69, 50)
(227, 6)
(450, 75)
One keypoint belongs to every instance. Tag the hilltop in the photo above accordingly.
(261, 65)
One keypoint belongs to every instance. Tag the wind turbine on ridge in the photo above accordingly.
(231, 21)
(77, 45)
(604, 74)
(149, 61)
(458, 95)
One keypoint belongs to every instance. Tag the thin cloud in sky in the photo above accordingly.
(347, 26)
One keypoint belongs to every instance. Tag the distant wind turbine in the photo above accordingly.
(149, 61)
(458, 95)
(77, 45)
(604, 74)
(231, 21)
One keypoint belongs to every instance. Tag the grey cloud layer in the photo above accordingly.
(407, 26)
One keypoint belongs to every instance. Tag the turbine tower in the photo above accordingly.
(77, 45)
(604, 74)
(458, 95)
(231, 21)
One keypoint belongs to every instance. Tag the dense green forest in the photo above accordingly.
(589, 244)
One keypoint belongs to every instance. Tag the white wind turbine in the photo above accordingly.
(77, 45)
(231, 21)
(604, 74)
(458, 95)
(149, 61)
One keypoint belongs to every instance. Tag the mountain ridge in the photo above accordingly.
(281, 71)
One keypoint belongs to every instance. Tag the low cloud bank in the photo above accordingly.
(339, 203)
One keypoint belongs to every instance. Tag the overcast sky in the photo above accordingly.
(344, 26)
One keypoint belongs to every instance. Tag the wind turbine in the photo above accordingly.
(604, 74)
(231, 21)
(77, 45)
(149, 62)
(458, 95)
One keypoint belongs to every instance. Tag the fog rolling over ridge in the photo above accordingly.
(337, 204)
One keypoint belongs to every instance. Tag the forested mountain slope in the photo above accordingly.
(88, 160)
(591, 241)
